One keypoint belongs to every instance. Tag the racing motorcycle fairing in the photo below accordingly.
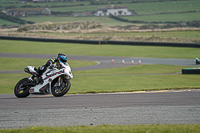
(31, 70)
(48, 76)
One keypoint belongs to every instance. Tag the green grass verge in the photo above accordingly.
(118, 79)
(190, 128)
(8, 46)
(135, 69)
(128, 83)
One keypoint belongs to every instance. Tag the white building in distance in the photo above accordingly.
(112, 10)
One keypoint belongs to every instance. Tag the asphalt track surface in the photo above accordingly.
(154, 107)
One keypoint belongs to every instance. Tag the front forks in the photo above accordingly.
(59, 80)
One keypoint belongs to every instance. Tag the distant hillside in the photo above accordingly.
(147, 12)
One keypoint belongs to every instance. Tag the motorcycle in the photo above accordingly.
(55, 81)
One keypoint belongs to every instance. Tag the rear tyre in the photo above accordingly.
(61, 90)
(22, 92)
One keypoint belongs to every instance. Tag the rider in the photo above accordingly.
(61, 58)
(197, 60)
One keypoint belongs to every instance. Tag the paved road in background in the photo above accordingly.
(104, 61)
(154, 107)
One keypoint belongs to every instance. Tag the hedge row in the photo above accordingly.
(14, 19)
(190, 71)
(38, 6)
(168, 24)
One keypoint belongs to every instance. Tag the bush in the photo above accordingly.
(193, 24)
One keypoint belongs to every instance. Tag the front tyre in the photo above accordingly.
(62, 89)
(20, 91)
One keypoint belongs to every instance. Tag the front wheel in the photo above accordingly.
(22, 91)
(62, 89)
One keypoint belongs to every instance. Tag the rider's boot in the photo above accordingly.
(40, 72)
(40, 80)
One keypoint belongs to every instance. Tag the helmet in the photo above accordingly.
(62, 58)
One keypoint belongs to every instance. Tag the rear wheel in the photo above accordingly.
(62, 89)
(22, 91)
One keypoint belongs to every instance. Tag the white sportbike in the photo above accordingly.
(56, 81)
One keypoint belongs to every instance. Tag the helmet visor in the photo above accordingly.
(63, 59)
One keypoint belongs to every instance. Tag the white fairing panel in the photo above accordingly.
(49, 75)
(31, 68)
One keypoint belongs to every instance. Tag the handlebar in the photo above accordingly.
(58, 67)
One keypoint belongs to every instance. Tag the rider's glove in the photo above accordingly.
(52, 65)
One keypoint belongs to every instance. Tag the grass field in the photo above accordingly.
(114, 79)
(98, 50)
(169, 6)
(111, 129)
(2, 22)
(141, 9)
(184, 17)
